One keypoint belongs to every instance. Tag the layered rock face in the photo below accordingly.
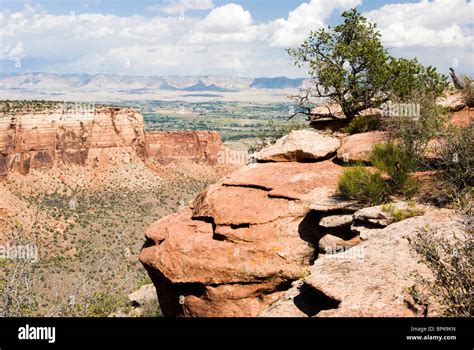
(239, 245)
(200, 147)
(103, 136)
(44, 140)
(274, 239)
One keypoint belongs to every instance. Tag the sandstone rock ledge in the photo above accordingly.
(273, 239)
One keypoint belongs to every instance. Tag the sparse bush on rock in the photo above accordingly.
(359, 183)
(451, 262)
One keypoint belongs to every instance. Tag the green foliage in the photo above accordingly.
(456, 157)
(100, 304)
(400, 214)
(413, 135)
(362, 123)
(351, 67)
(396, 163)
(451, 262)
(359, 183)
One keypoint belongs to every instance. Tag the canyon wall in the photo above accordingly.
(104, 136)
(201, 147)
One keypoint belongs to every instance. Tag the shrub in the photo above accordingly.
(456, 155)
(396, 163)
(451, 263)
(400, 214)
(362, 123)
(359, 183)
(413, 135)
(100, 304)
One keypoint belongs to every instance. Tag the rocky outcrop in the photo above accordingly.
(201, 147)
(274, 239)
(106, 135)
(375, 278)
(452, 101)
(241, 243)
(358, 147)
(44, 140)
(300, 146)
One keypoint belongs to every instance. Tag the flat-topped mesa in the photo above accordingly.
(96, 137)
(35, 140)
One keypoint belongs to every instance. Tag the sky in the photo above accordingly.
(202, 37)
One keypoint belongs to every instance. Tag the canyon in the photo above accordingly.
(101, 198)
(80, 186)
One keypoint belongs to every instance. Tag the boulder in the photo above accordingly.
(358, 147)
(300, 146)
(204, 269)
(336, 221)
(453, 101)
(241, 243)
(384, 215)
(143, 295)
(332, 244)
(374, 278)
(289, 180)
(328, 110)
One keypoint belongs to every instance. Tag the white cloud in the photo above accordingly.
(210, 44)
(177, 6)
(439, 23)
(14, 53)
(305, 18)
(229, 23)
(230, 18)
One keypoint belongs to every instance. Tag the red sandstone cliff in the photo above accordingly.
(107, 135)
(197, 146)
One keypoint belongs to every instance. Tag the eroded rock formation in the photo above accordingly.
(274, 239)
(104, 136)
(201, 147)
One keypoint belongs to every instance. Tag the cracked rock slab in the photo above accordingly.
(375, 282)
(300, 146)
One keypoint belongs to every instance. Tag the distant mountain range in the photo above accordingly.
(59, 83)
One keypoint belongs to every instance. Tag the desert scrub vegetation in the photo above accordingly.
(350, 66)
(18, 284)
(359, 183)
(465, 85)
(455, 156)
(450, 259)
(362, 123)
(101, 304)
(400, 214)
(391, 176)
(393, 160)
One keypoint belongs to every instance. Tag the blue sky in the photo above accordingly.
(187, 37)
